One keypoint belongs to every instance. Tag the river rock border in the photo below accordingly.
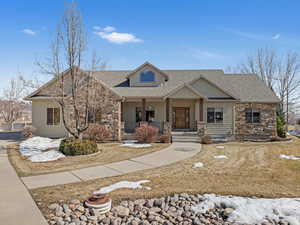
(171, 210)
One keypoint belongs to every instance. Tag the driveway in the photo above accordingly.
(16, 205)
(9, 137)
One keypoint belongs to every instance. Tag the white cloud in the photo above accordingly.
(29, 31)
(276, 36)
(109, 29)
(109, 33)
(119, 38)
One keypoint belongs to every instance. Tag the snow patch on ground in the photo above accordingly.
(220, 157)
(35, 149)
(253, 210)
(123, 184)
(130, 141)
(36, 145)
(51, 155)
(134, 144)
(220, 147)
(292, 157)
(198, 165)
(219, 139)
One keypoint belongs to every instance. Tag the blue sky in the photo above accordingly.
(173, 34)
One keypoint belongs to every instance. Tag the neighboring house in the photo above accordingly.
(207, 101)
(23, 118)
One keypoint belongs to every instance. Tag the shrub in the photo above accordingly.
(146, 134)
(28, 131)
(97, 132)
(206, 140)
(74, 147)
(280, 126)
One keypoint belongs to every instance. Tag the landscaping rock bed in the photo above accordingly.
(176, 209)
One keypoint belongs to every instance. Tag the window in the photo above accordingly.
(94, 116)
(150, 114)
(252, 115)
(214, 115)
(147, 76)
(53, 116)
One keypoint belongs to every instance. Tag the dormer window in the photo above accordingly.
(147, 76)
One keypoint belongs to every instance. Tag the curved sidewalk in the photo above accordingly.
(175, 152)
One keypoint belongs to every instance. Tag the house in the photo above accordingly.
(207, 102)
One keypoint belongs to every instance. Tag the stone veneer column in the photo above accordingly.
(201, 126)
(121, 124)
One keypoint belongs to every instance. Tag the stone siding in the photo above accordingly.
(265, 129)
(109, 105)
(102, 99)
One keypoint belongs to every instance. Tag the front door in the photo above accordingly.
(181, 118)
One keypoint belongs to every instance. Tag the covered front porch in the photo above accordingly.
(166, 114)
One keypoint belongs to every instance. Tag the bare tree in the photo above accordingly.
(264, 63)
(11, 106)
(288, 83)
(30, 84)
(76, 89)
(279, 72)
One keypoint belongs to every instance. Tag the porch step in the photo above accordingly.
(184, 133)
(185, 137)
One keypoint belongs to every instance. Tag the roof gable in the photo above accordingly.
(148, 65)
(185, 91)
(208, 89)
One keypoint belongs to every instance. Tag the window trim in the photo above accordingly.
(219, 109)
(253, 110)
(146, 70)
(53, 116)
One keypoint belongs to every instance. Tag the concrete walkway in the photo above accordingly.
(175, 152)
(16, 205)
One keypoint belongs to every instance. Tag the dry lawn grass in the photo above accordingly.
(108, 153)
(252, 169)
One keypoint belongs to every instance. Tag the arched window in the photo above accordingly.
(147, 76)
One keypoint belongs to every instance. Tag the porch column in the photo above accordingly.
(143, 109)
(168, 110)
(122, 111)
(121, 128)
(201, 119)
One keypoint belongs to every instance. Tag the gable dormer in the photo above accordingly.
(147, 75)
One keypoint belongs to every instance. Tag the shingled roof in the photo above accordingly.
(242, 87)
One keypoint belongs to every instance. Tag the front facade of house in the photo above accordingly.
(208, 102)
